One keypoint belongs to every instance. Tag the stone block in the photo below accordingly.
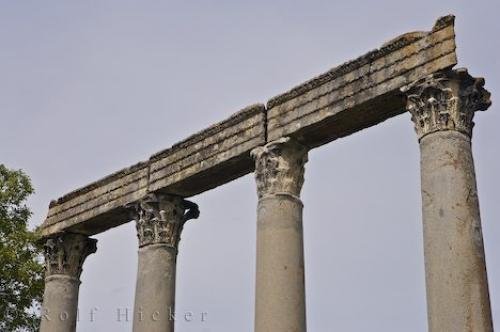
(362, 92)
(211, 157)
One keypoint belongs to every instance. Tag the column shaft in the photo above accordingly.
(155, 289)
(60, 304)
(442, 106)
(457, 286)
(280, 289)
(159, 220)
(64, 257)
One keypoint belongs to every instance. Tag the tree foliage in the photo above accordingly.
(21, 271)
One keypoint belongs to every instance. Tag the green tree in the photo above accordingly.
(21, 271)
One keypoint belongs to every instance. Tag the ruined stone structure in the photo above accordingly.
(413, 72)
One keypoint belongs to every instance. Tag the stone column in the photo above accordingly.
(159, 220)
(280, 290)
(64, 257)
(442, 107)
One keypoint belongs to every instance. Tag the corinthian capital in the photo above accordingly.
(160, 219)
(279, 167)
(65, 254)
(446, 101)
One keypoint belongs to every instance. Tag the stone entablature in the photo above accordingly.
(355, 88)
(346, 99)
(211, 157)
(205, 160)
(102, 202)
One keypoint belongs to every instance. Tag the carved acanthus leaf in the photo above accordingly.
(160, 219)
(446, 101)
(279, 167)
(65, 254)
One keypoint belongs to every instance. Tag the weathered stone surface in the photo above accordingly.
(446, 101)
(210, 158)
(280, 299)
(362, 92)
(64, 257)
(348, 98)
(455, 266)
(60, 304)
(442, 107)
(279, 167)
(100, 205)
(155, 289)
(159, 220)
(66, 253)
(205, 160)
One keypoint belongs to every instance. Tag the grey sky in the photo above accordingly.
(89, 87)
